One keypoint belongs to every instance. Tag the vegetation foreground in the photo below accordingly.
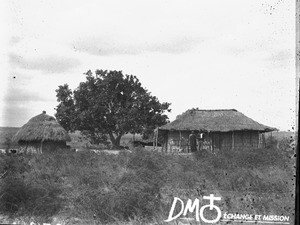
(138, 187)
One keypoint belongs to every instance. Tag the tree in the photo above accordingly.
(109, 104)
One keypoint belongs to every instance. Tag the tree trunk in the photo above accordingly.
(115, 140)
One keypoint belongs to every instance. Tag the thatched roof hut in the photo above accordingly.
(215, 120)
(40, 133)
(221, 129)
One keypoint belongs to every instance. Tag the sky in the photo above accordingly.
(213, 54)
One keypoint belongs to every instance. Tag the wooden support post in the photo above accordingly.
(153, 139)
(232, 147)
(180, 139)
(242, 135)
(220, 140)
(258, 140)
(212, 142)
(156, 141)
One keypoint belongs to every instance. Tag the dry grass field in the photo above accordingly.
(138, 187)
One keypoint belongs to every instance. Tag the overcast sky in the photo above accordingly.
(211, 54)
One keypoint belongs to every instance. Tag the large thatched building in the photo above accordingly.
(215, 130)
(42, 133)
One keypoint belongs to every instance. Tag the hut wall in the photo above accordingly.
(50, 146)
(39, 147)
(245, 139)
(213, 141)
(226, 140)
(254, 139)
(30, 147)
(216, 141)
(237, 139)
(247, 142)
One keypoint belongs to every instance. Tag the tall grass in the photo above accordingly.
(132, 186)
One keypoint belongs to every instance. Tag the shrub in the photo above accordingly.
(129, 188)
(271, 142)
(203, 154)
(23, 194)
(137, 197)
(285, 144)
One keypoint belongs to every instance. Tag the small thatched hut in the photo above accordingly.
(42, 133)
(215, 130)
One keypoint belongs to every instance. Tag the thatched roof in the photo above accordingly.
(215, 120)
(42, 128)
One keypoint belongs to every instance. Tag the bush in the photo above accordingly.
(203, 154)
(132, 191)
(271, 142)
(25, 195)
(286, 144)
(137, 197)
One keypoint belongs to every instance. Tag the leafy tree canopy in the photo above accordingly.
(109, 103)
